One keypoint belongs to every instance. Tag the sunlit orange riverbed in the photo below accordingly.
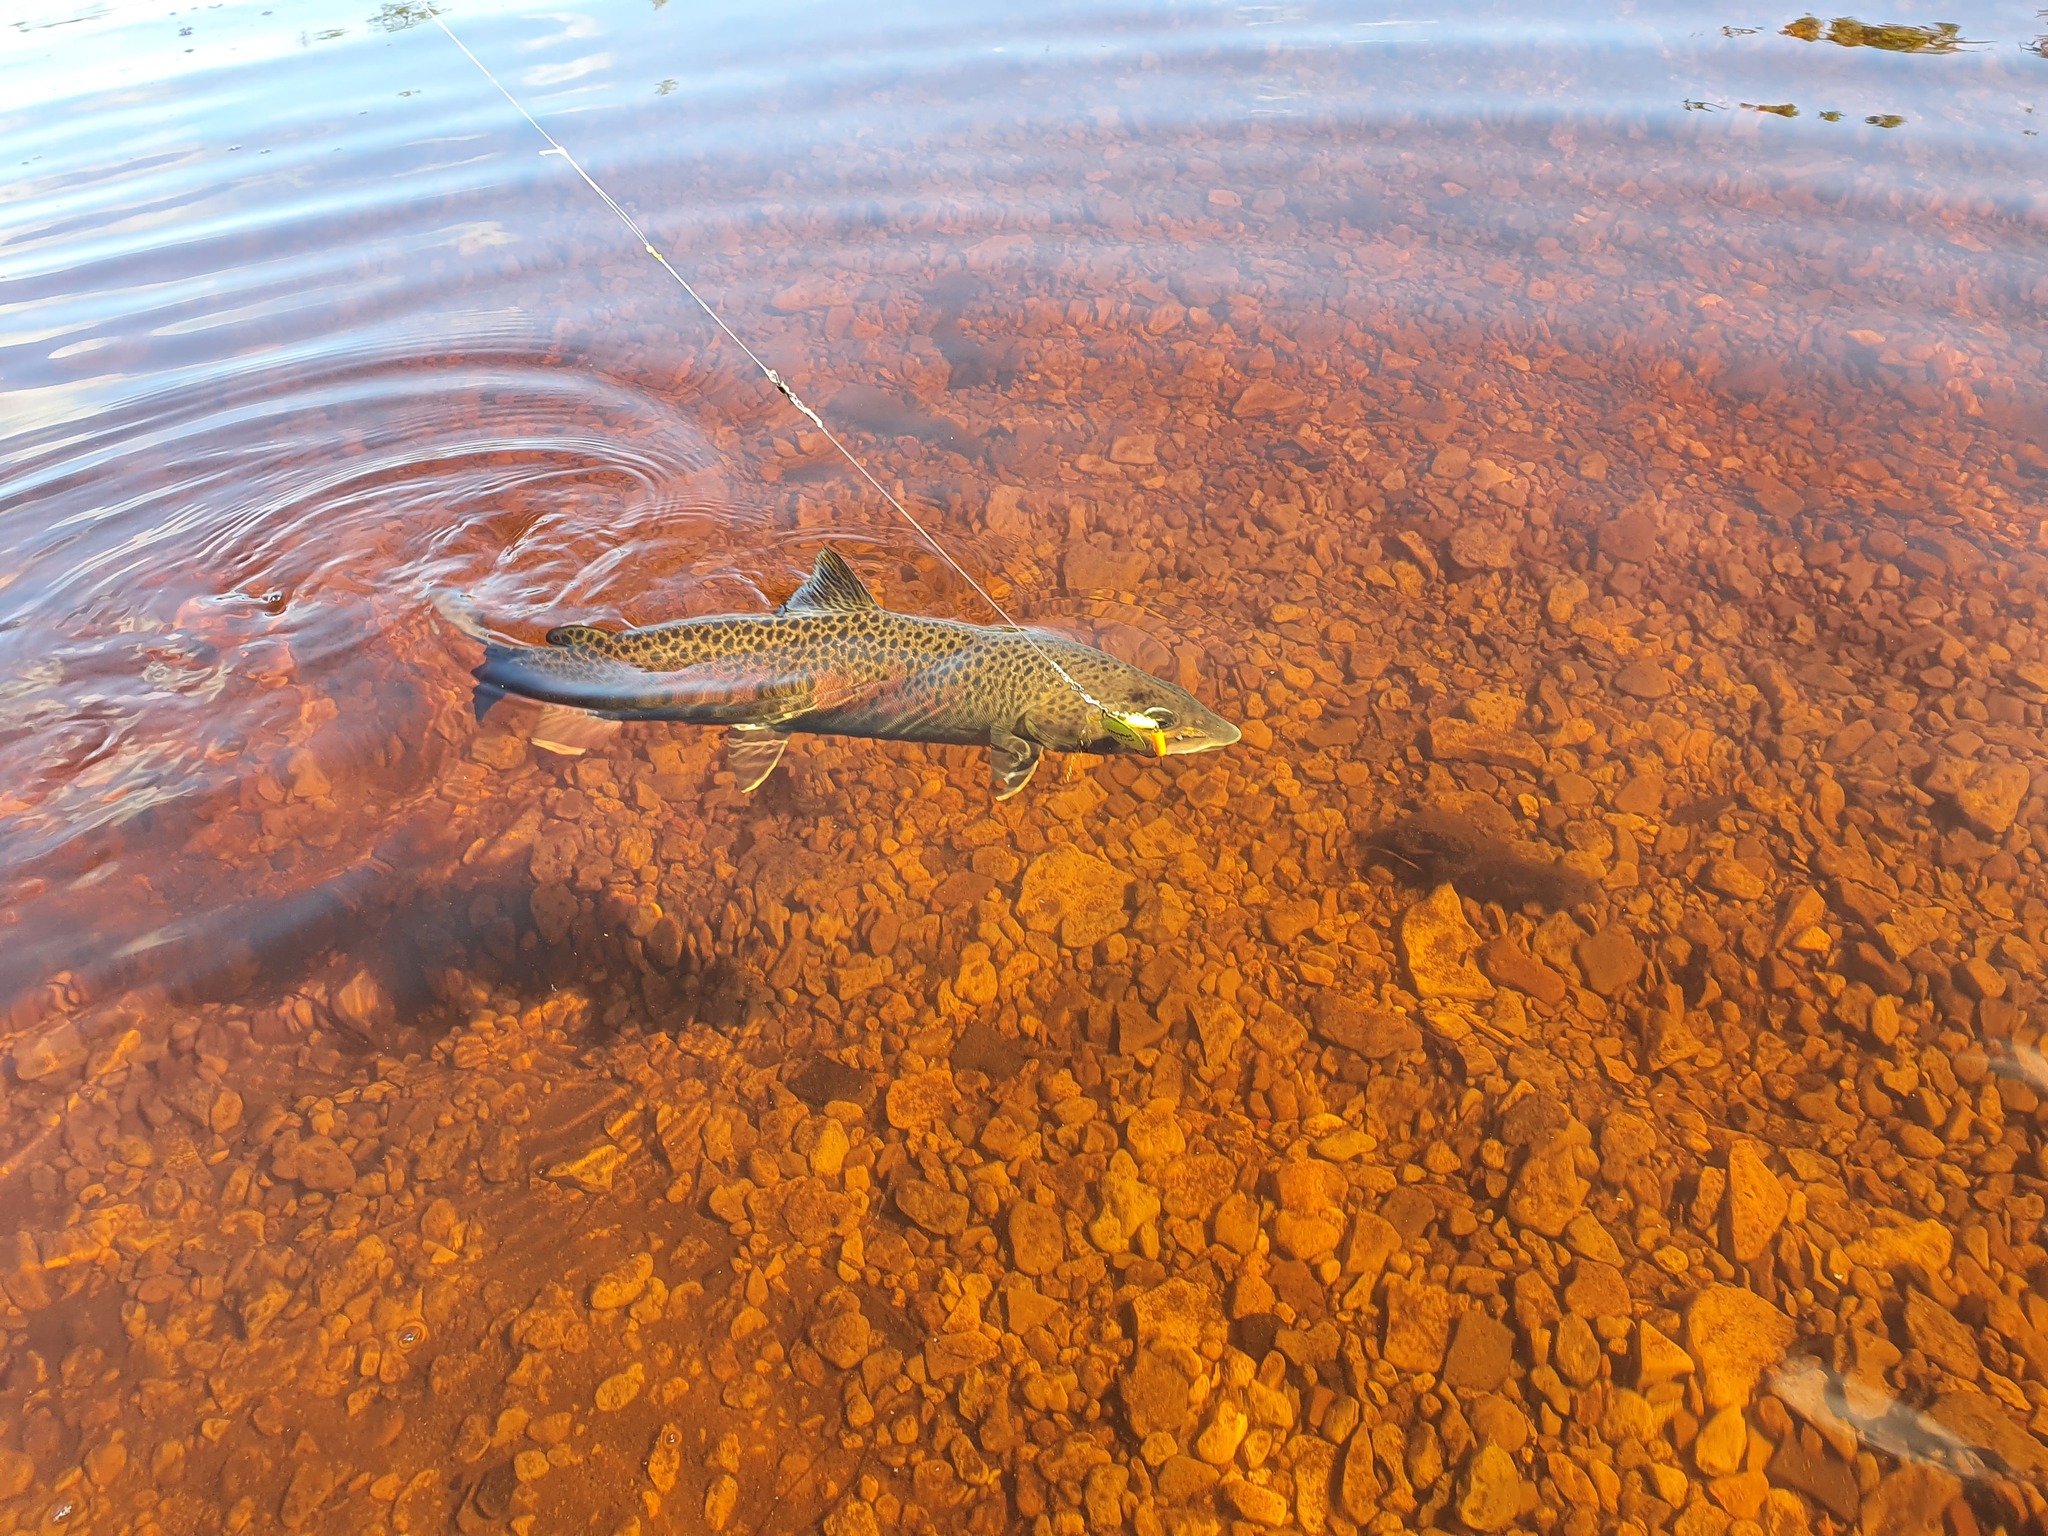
(1573, 1067)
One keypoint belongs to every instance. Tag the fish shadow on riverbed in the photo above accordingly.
(1438, 844)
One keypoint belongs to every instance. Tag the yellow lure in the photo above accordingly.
(1140, 732)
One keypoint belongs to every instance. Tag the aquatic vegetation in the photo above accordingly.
(403, 15)
(1892, 37)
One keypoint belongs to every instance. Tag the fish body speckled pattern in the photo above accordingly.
(832, 662)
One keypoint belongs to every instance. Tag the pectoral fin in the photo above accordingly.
(780, 703)
(752, 751)
(762, 710)
(1011, 761)
(571, 732)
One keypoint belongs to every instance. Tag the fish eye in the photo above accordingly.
(1160, 716)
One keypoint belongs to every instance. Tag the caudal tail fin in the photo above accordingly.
(559, 728)
(488, 691)
(462, 616)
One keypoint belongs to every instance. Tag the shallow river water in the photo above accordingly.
(1573, 1066)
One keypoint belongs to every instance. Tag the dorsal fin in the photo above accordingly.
(830, 588)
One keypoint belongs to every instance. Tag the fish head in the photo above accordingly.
(1087, 700)
(1148, 717)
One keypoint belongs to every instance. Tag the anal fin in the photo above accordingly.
(1011, 761)
(752, 751)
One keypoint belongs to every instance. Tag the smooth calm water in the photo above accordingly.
(1598, 458)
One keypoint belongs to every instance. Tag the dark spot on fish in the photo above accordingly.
(1430, 847)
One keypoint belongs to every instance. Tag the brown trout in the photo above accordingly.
(833, 662)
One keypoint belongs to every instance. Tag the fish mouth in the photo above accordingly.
(1206, 737)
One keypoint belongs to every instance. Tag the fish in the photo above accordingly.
(2021, 1063)
(1963, 1428)
(831, 661)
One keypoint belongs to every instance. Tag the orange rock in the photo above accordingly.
(1418, 1326)
(1464, 741)
(1757, 1203)
(915, 1102)
(1736, 1336)
(1265, 397)
(1598, 1290)
(1436, 941)
(1507, 963)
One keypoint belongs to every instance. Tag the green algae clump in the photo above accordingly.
(1892, 37)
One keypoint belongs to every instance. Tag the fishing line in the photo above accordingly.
(782, 385)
